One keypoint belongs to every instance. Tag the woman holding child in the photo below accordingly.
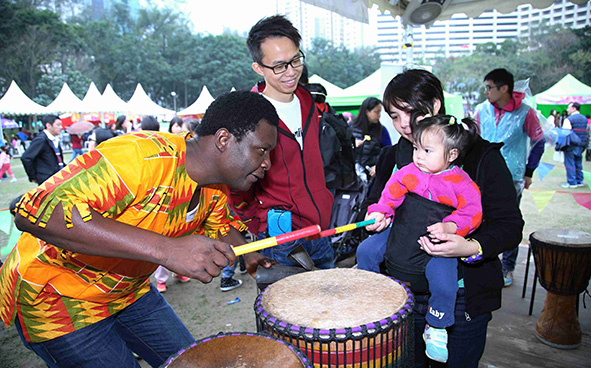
(408, 99)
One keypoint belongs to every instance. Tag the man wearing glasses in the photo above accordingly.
(293, 193)
(504, 118)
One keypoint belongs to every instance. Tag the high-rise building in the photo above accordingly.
(100, 7)
(460, 35)
(314, 22)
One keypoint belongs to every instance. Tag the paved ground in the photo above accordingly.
(511, 340)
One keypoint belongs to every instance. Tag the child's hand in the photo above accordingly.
(439, 228)
(381, 221)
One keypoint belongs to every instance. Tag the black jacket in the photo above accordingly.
(367, 153)
(39, 160)
(502, 224)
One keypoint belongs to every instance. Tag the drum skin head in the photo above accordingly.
(334, 299)
(238, 351)
(563, 237)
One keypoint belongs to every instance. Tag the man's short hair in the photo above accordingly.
(270, 27)
(239, 112)
(49, 119)
(576, 105)
(501, 77)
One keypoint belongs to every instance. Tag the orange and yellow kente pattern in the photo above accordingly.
(138, 179)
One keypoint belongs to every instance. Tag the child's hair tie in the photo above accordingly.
(452, 120)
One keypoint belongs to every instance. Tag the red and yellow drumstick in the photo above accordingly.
(348, 227)
(276, 240)
(312, 232)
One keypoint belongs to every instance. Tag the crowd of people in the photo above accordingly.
(147, 201)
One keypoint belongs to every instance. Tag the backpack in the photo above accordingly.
(337, 147)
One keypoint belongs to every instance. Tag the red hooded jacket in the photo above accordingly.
(295, 181)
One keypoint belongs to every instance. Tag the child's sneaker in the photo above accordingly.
(182, 278)
(507, 278)
(14, 179)
(436, 343)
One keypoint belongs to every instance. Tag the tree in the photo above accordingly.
(339, 65)
(51, 84)
(31, 41)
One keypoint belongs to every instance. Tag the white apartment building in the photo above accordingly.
(460, 35)
(314, 22)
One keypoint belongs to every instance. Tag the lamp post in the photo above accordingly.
(174, 96)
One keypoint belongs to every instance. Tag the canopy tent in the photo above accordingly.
(93, 101)
(141, 104)
(197, 109)
(66, 101)
(114, 102)
(331, 89)
(374, 85)
(15, 102)
(568, 89)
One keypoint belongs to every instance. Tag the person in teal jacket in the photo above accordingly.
(504, 118)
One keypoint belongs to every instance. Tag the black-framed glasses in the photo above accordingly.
(488, 87)
(280, 68)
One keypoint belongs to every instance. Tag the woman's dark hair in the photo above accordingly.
(362, 123)
(239, 112)
(150, 123)
(270, 27)
(414, 91)
(193, 124)
(119, 122)
(456, 134)
(175, 121)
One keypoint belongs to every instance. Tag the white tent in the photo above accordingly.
(114, 102)
(141, 104)
(15, 102)
(93, 101)
(200, 105)
(66, 101)
(331, 89)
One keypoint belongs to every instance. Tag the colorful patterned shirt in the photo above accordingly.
(138, 179)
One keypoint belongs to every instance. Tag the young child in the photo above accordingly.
(439, 144)
(5, 163)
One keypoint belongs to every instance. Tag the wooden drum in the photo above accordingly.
(563, 264)
(341, 317)
(239, 350)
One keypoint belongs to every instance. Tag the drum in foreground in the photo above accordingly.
(563, 264)
(341, 317)
(239, 350)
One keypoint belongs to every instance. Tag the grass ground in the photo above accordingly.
(204, 309)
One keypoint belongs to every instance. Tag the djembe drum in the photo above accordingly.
(563, 264)
(341, 317)
(239, 350)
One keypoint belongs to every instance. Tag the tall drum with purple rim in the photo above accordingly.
(341, 317)
(239, 350)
